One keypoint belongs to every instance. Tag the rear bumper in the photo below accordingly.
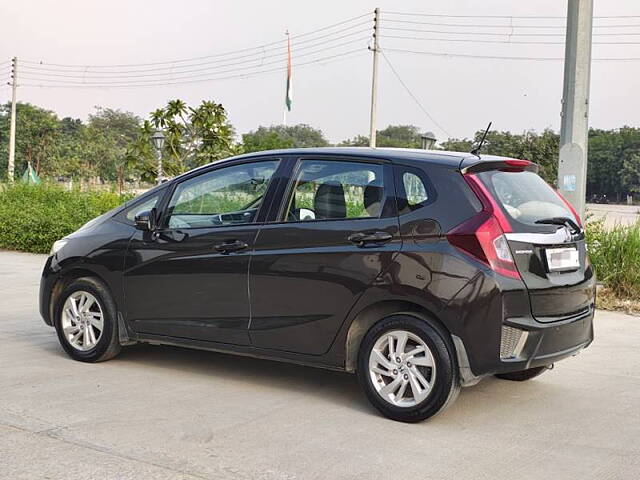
(539, 345)
(547, 343)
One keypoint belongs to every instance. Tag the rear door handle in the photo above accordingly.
(362, 239)
(231, 246)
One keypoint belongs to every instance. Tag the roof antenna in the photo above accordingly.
(476, 150)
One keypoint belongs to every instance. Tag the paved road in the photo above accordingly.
(167, 413)
(614, 214)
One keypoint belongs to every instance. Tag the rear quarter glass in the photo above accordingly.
(525, 198)
(453, 200)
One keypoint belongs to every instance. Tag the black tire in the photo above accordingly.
(522, 375)
(108, 345)
(444, 389)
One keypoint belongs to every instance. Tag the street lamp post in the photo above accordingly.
(158, 143)
(428, 140)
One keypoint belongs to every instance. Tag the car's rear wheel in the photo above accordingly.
(86, 321)
(522, 375)
(407, 369)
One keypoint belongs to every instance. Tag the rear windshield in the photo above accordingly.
(524, 197)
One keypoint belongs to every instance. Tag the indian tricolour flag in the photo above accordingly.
(289, 96)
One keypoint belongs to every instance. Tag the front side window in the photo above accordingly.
(332, 190)
(144, 206)
(228, 196)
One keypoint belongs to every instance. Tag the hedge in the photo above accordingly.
(32, 217)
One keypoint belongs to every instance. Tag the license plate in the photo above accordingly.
(559, 259)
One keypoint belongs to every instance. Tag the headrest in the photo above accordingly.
(373, 195)
(329, 201)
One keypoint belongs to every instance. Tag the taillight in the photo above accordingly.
(488, 203)
(570, 207)
(483, 238)
(483, 235)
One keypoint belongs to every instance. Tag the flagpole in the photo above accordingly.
(287, 99)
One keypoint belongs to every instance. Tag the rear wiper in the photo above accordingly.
(565, 221)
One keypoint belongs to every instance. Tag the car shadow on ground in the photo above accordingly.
(335, 386)
(330, 386)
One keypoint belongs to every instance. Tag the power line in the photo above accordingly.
(501, 25)
(510, 34)
(257, 57)
(496, 57)
(259, 54)
(186, 73)
(415, 99)
(439, 15)
(319, 61)
(186, 60)
(513, 42)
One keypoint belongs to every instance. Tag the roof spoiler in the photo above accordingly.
(476, 165)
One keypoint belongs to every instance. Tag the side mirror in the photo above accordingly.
(146, 221)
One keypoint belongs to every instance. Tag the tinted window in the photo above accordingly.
(415, 189)
(323, 190)
(524, 196)
(228, 196)
(144, 206)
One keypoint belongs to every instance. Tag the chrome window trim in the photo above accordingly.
(562, 235)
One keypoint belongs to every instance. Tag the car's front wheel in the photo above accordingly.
(407, 369)
(86, 321)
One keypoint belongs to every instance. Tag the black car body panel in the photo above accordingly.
(301, 291)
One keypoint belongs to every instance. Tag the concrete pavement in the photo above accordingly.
(167, 413)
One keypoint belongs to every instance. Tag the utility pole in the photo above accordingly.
(374, 79)
(12, 131)
(574, 127)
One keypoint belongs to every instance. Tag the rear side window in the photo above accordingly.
(333, 190)
(524, 197)
(413, 189)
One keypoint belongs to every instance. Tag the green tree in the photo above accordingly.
(281, 136)
(630, 175)
(609, 150)
(106, 138)
(36, 139)
(396, 136)
(541, 148)
(194, 136)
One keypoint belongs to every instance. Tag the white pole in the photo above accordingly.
(374, 80)
(12, 128)
(574, 128)
(160, 174)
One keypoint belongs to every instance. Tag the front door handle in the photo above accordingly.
(362, 239)
(231, 246)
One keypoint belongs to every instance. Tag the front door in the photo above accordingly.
(337, 231)
(189, 278)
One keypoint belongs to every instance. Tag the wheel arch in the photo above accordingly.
(68, 276)
(372, 314)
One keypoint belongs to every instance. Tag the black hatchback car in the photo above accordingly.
(421, 271)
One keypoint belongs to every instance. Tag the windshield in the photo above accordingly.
(524, 197)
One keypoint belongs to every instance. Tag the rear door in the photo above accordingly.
(335, 232)
(550, 256)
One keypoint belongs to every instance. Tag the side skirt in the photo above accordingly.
(247, 351)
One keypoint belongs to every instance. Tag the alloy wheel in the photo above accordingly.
(82, 320)
(402, 368)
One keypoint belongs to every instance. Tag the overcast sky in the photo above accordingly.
(462, 94)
